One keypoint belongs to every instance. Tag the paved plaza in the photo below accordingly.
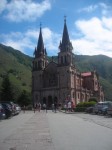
(56, 131)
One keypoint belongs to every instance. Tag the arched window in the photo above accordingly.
(65, 59)
(61, 59)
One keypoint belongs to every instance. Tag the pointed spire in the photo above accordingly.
(35, 52)
(40, 46)
(65, 38)
(66, 44)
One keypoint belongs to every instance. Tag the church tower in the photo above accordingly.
(66, 67)
(39, 63)
(65, 56)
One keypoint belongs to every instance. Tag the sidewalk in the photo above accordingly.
(33, 135)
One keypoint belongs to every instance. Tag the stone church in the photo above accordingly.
(61, 81)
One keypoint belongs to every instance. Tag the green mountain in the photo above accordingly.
(19, 65)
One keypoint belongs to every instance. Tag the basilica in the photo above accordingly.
(61, 81)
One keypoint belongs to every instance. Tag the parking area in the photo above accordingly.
(101, 120)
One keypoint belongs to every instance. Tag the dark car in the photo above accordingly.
(101, 107)
(2, 112)
(89, 109)
(12, 105)
(105, 107)
(8, 110)
(109, 109)
(97, 107)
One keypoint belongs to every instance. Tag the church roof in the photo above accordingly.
(85, 74)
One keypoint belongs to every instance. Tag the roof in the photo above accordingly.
(85, 74)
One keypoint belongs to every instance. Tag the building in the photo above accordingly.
(58, 82)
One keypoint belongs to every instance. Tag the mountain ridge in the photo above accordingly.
(19, 66)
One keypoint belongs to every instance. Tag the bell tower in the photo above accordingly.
(39, 63)
(66, 67)
(65, 56)
(40, 54)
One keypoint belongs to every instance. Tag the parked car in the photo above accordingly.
(18, 109)
(2, 112)
(101, 107)
(97, 107)
(109, 110)
(89, 109)
(7, 109)
(12, 105)
(105, 107)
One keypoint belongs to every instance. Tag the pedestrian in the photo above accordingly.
(55, 107)
(24, 108)
(59, 106)
(65, 107)
(34, 108)
(52, 107)
(39, 107)
(45, 107)
(69, 106)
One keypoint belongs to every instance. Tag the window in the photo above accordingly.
(61, 59)
(65, 59)
(73, 94)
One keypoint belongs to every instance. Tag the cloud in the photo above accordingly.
(27, 41)
(104, 8)
(2, 5)
(89, 8)
(24, 10)
(96, 37)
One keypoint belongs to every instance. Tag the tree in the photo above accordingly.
(24, 99)
(6, 90)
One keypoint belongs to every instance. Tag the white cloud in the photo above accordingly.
(2, 5)
(24, 10)
(104, 8)
(89, 8)
(27, 41)
(97, 37)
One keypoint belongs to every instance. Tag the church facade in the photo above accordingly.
(61, 81)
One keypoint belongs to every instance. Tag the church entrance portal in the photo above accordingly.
(44, 100)
(50, 102)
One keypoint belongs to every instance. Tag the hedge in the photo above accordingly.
(83, 105)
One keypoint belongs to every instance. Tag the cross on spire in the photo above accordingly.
(65, 18)
(40, 24)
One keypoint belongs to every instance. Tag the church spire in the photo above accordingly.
(40, 50)
(40, 46)
(65, 38)
(65, 45)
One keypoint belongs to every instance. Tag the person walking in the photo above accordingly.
(69, 106)
(39, 107)
(52, 107)
(24, 108)
(55, 107)
(45, 107)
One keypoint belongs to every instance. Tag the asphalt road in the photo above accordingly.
(56, 131)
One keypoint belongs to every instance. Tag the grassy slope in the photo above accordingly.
(18, 66)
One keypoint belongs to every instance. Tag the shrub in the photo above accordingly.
(80, 109)
(92, 99)
(83, 105)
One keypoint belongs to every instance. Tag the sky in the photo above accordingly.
(89, 24)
